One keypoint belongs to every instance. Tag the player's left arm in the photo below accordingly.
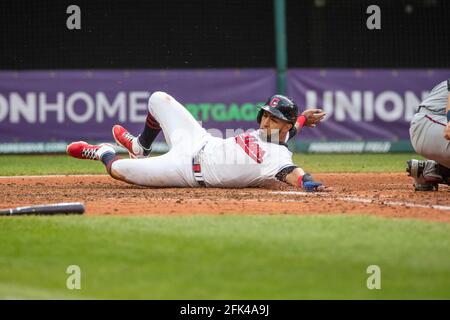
(447, 128)
(297, 177)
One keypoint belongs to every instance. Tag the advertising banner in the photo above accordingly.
(46, 106)
(362, 105)
(42, 110)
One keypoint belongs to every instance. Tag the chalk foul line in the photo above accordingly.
(365, 200)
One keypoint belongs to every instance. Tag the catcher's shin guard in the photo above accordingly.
(425, 174)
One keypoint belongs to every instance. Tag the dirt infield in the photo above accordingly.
(388, 195)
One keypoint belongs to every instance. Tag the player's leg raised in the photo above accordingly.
(178, 125)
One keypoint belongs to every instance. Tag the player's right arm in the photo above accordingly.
(447, 128)
(308, 118)
(312, 117)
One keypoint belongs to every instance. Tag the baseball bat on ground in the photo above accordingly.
(46, 209)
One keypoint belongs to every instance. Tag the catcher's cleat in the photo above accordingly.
(131, 143)
(84, 150)
(425, 174)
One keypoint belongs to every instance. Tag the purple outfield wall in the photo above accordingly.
(53, 106)
(363, 104)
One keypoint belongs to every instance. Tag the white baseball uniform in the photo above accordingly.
(196, 158)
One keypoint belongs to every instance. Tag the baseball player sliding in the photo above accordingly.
(430, 137)
(198, 159)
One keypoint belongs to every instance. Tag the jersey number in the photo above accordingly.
(250, 146)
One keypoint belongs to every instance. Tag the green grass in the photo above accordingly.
(222, 257)
(226, 257)
(61, 164)
(395, 162)
(13, 165)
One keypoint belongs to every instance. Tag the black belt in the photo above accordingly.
(430, 111)
(197, 168)
(420, 107)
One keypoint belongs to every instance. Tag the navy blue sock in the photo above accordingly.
(108, 158)
(150, 132)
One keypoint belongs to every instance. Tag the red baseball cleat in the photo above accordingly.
(84, 150)
(128, 141)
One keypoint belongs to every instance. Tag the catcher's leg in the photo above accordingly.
(427, 174)
(428, 140)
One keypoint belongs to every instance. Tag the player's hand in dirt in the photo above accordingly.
(323, 188)
(313, 117)
(447, 131)
(313, 186)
